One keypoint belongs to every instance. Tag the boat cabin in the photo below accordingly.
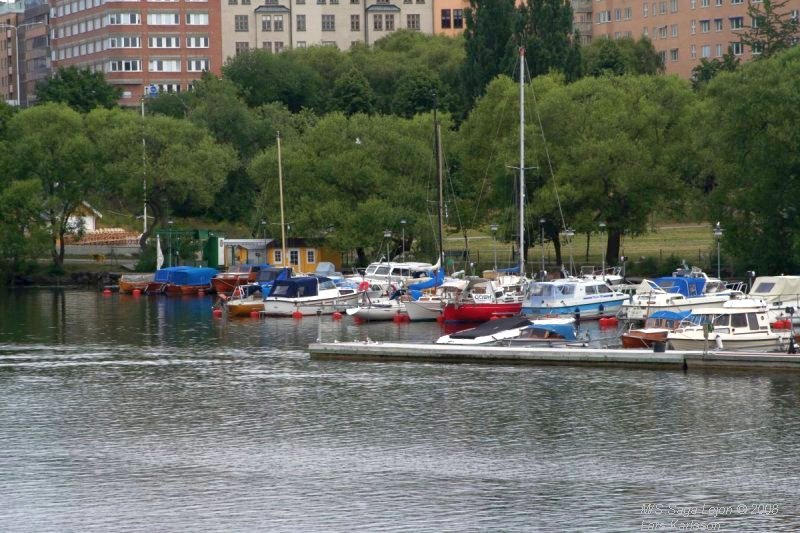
(544, 292)
(300, 287)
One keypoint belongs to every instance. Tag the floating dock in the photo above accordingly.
(577, 356)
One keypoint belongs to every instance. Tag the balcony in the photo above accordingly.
(581, 6)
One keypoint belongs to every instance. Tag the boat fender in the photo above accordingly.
(718, 341)
(363, 286)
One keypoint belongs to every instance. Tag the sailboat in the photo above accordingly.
(479, 300)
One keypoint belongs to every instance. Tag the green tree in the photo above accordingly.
(489, 44)
(709, 68)
(621, 56)
(750, 120)
(23, 236)
(80, 89)
(415, 93)
(49, 144)
(545, 30)
(353, 94)
(774, 28)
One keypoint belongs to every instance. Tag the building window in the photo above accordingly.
(328, 23)
(197, 19)
(389, 22)
(645, 7)
(718, 24)
(128, 65)
(618, 14)
(278, 20)
(458, 18)
(736, 2)
(377, 22)
(737, 48)
(197, 41)
(718, 3)
(294, 257)
(673, 6)
(165, 65)
(705, 51)
(355, 23)
(232, 2)
(301, 23)
(674, 30)
(301, 44)
(662, 32)
(693, 52)
(266, 23)
(628, 13)
(169, 41)
(445, 18)
(412, 22)
(278, 257)
(719, 50)
(168, 88)
(242, 47)
(704, 3)
(692, 4)
(241, 23)
(311, 256)
(245, 2)
(267, 45)
(693, 27)
(124, 42)
(278, 46)
(737, 23)
(163, 19)
(673, 54)
(197, 65)
(705, 26)
(123, 19)
(662, 55)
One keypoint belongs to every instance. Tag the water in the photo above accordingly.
(148, 414)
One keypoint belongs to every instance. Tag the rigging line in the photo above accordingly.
(503, 108)
(546, 151)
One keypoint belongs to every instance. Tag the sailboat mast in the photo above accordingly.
(440, 177)
(280, 191)
(522, 161)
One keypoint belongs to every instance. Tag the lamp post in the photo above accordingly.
(169, 223)
(403, 237)
(718, 235)
(264, 234)
(541, 236)
(387, 235)
(16, 49)
(494, 227)
(602, 226)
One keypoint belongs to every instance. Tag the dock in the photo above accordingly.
(570, 356)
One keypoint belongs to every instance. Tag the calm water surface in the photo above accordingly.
(147, 414)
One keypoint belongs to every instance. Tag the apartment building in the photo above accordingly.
(682, 31)
(34, 48)
(138, 44)
(10, 19)
(276, 25)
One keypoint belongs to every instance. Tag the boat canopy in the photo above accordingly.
(193, 276)
(670, 315)
(686, 286)
(164, 275)
(492, 327)
(245, 268)
(270, 274)
(300, 287)
(565, 331)
(776, 288)
(428, 283)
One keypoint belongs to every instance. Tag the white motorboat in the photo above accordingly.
(734, 326)
(578, 297)
(502, 329)
(781, 295)
(374, 309)
(308, 295)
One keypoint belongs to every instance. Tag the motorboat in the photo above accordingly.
(226, 282)
(733, 326)
(655, 329)
(685, 290)
(370, 310)
(131, 282)
(249, 298)
(501, 329)
(179, 280)
(476, 300)
(572, 296)
(308, 295)
(611, 275)
(781, 295)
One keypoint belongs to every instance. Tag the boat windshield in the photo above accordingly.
(543, 290)
(382, 271)
(370, 270)
(327, 284)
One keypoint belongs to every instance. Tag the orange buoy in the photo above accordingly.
(136, 292)
(398, 318)
(107, 291)
(217, 312)
(336, 315)
(608, 322)
(297, 315)
(254, 314)
(440, 319)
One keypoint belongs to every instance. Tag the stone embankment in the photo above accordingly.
(71, 280)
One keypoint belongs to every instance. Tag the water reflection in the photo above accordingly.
(149, 414)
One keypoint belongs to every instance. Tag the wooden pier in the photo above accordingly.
(502, 355)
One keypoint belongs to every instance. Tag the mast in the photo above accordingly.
(522, 161)
(440, 177)
(144, 171)
(280, 191)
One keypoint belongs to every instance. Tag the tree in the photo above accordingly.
(545, 30)
(23, 236)
(353, 94)
(488, 44)
(708, 69)
(49, 144)
(751, 121)
(621, 56)
(80, 89)
(772, 29)
(415, 93)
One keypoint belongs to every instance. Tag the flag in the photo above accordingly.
(159, 253)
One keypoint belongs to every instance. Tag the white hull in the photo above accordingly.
(377, 311)
(419, 311)
(772, 343)
(278, 306)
